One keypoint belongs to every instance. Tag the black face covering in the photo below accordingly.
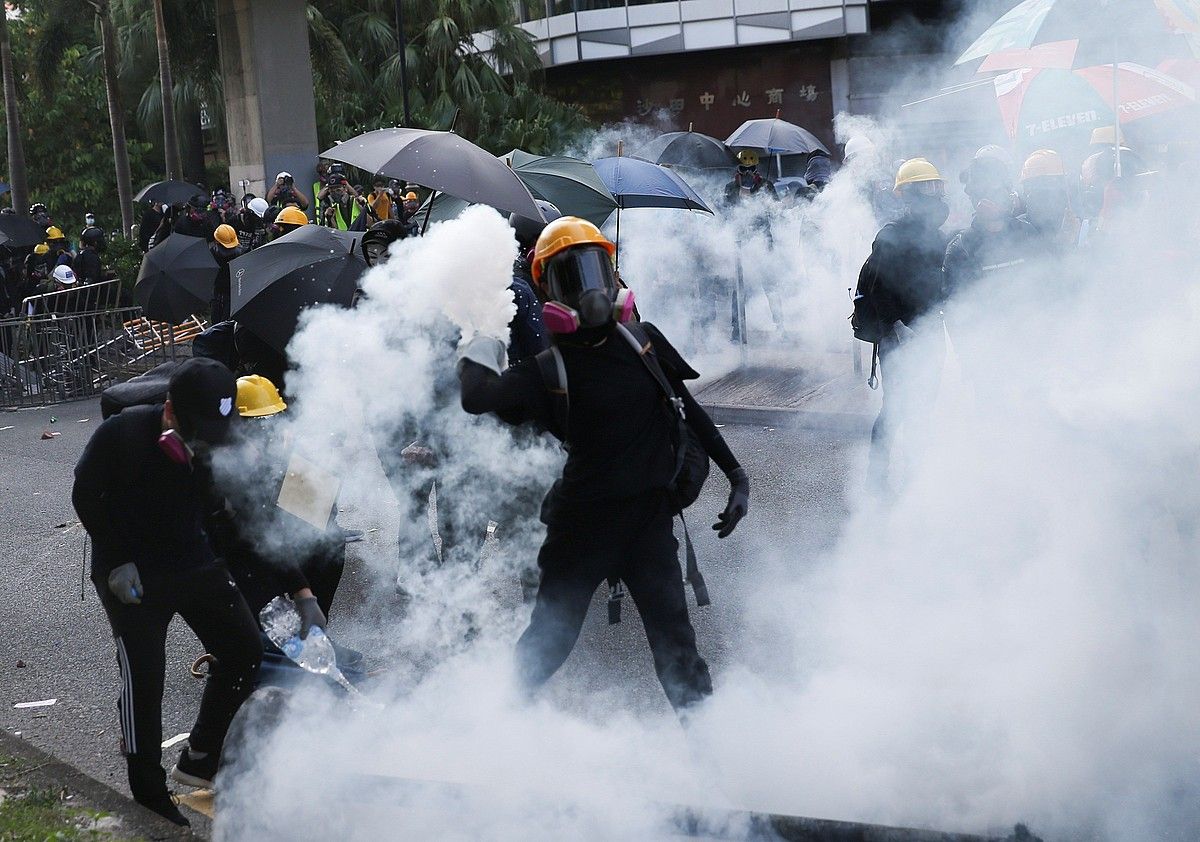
(930, 211)
(582, 278)
(1046, 208)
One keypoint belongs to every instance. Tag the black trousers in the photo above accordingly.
(212, 606)
(634, 542)
(260, 582)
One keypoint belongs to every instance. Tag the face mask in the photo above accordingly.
(1046, 211)
(931, 211)
(175, 448)
(594, 311)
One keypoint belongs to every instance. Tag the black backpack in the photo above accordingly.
(691, 459)
(148, 388)
(865, 320)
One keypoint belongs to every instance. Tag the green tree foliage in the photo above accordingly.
(493, 97)
(67, 136)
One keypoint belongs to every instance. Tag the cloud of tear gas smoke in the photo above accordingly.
(1010, 637)
(368, 383)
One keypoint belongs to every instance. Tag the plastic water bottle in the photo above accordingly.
(314, 653)
(281, 622)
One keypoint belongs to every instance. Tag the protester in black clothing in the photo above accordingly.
(195, 220)
(526, 334)
(141, 492)
(748, 181)
(998, 245)
(620, 466)
(225, 248)
(88, 266)
(268, 551)
(903, 287)
(152, 217)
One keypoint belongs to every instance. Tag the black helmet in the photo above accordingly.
(198, 202)
(379, 236)
(36, 208)
(528, 230)
(92, 236)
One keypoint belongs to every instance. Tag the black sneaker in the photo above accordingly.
(195, 771)
(164, 805)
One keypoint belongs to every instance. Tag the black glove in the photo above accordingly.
(310, 615)
(739, 503)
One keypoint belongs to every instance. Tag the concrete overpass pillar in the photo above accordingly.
(270, 116)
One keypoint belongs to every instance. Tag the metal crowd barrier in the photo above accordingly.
(53, 358)
(86, 298)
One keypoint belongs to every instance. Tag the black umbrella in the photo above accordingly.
(273, 284)
(441, 161)
(18, 231)
(176, 279)
(687, 149)
(167, 192)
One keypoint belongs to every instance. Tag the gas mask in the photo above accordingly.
(1047, 207)
(583, 291)
(926, 202)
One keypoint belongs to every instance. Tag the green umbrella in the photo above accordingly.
(571, 185)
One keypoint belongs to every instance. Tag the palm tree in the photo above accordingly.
(62, 26)
(116, 113)
(17, 177)
(170, 138)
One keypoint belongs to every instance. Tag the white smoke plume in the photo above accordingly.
(1010, 637)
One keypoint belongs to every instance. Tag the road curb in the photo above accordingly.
(47, 772)
(788, 418)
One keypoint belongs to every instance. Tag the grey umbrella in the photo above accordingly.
(687, 149)
(441, 161)
(775, 137)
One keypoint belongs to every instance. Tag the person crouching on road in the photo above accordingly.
(621, 462)
(246, 522)
(140, 491)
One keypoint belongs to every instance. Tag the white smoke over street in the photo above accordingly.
(1009, 636)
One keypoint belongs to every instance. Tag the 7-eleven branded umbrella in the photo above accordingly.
(1045, 106)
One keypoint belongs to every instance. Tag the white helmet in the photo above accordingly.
(858, 145)
(258, 206)
(64, 275)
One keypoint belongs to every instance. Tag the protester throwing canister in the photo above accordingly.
(140, 491)
(621, 430)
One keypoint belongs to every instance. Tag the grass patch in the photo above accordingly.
(36, 814)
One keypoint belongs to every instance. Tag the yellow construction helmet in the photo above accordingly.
(1043, 162)
(291, 216)
(54, 233)
(748, 158)
(410, 196)
(257, 397)
(562, 234)
(226, 236)
(41, 248)
(915, 171)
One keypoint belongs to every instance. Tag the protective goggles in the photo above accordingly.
(926, 188)
(569, 274)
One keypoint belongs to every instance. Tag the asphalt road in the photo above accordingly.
(56, 645)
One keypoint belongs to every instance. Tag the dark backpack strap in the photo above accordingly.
(637, 338)
(554, 378)
(641, 343)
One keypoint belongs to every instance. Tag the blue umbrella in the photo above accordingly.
(640, 184)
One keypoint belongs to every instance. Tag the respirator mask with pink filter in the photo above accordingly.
(582, 291)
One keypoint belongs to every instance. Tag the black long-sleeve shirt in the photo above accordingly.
(620, 434)
(903, 275)
(136, 504)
